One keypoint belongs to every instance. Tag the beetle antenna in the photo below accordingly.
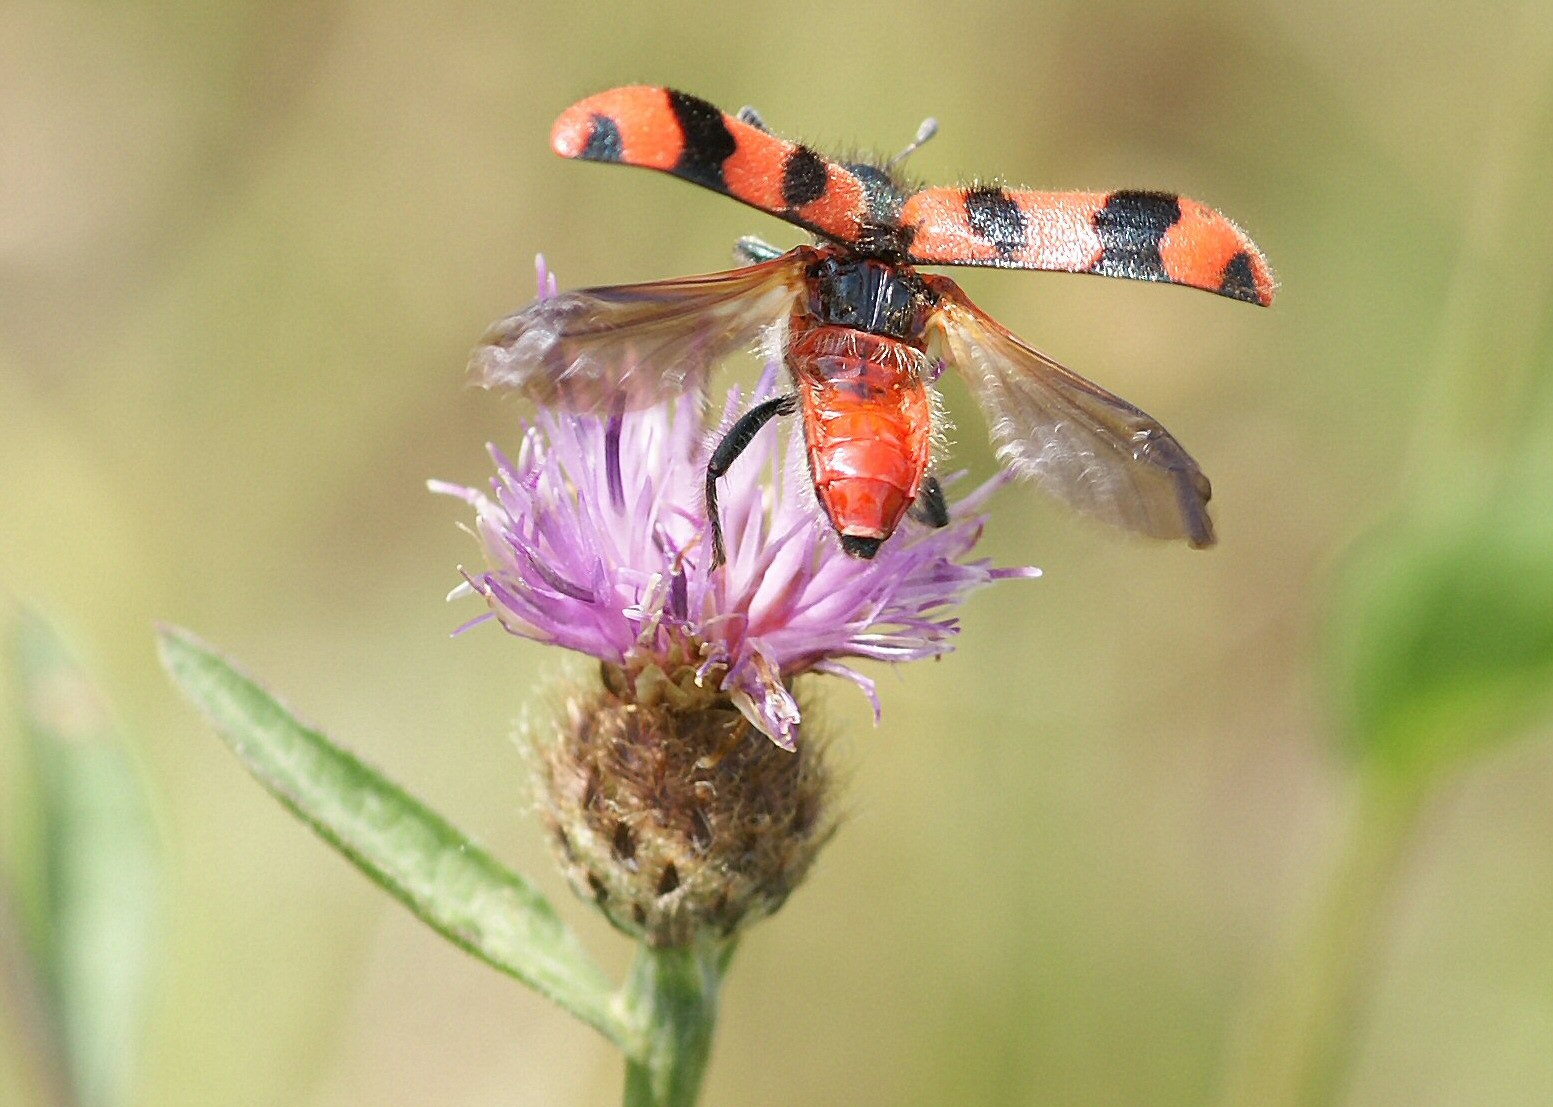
(928, 129)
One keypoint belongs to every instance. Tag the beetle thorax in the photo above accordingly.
(868, 295)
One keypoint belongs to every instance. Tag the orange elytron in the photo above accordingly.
(865, 332)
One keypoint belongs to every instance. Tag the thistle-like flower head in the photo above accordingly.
(596, 538)
(662, 808)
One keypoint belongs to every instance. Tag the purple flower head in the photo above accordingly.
(596, 538)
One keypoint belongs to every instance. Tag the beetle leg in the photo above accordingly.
(739, 436)
(931, 508)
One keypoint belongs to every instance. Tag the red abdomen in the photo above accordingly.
(868, 422)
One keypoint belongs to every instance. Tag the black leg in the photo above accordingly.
(930, 507)
(739, 436)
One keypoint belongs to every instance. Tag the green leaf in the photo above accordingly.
(449, 882)
(98, 874)
(1443, 637)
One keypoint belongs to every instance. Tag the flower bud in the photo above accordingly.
(671, 812)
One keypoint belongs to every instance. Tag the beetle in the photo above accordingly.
(866, 332)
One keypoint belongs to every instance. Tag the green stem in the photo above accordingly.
(1295, 1047)
(671, 998)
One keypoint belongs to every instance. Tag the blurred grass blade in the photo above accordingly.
(452, 884)
(26, 1019)
(97, 872)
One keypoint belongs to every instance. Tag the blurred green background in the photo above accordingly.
(245, 248)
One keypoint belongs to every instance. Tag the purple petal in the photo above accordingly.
(869, 687)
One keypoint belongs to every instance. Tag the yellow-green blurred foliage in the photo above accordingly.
(244, 248)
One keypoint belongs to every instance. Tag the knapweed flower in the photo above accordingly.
(596, 538)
